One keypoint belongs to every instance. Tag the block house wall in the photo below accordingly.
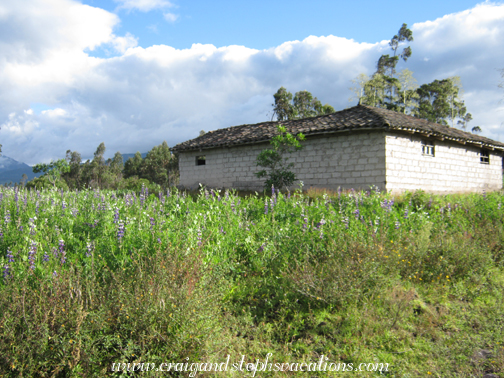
(453, 168)
(355, 160)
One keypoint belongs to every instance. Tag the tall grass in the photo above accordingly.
(94, 278)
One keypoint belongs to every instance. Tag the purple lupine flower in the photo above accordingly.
(63, 205)
(233, 207)
(222, 231)
(272, 189)
(159, 240)
(32, 226)
(346, 221)
(89, 247)
(397, 225)
(25, 200)
(305, 224)
(46, 257)
(120, 232)
(21, 228)
(6, 272)
(199, 237)
(484, 194)
(62, 251)
(288, 194)
(152, 222)
(55, 274)
(75, 212)
(261, 248)
(31, 255)
(406, 213)
(356, 213)
(272, 204)
(7, 217)
(167, 193)
(10, 256)
(266, 207)
(116, 215)
(113, 197)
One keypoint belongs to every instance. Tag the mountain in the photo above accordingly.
(12, 170)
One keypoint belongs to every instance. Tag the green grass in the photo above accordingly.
(417, 283)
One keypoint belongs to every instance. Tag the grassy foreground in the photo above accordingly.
(92, 279)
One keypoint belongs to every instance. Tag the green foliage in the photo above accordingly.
(53, 170)
(302, 105)
(276, 159)
(103, 277)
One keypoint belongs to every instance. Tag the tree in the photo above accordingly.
(476, 129)
(24, 178)
(438, 101)
(302, 105)
(387, 65)
(275, 159)
(133, 166)
(463, 123)
(358, 88)
(374, 91)
(53, 170)
(160, 166)
(407, 94)
(282, 107)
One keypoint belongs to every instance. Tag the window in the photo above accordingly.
(427, 148)
(484, 157)
(201, 160)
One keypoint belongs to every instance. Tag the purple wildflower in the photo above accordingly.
(199, 237)
(305, 224)
(10, 256)
(356, 213)
(222, 231)
(7, 217)
(32, 226)
(116, 215)
(397, 225)
(152, 222)
(406, 213)
(266, 207)
(31, 255)
(62, 251)
(120, 232)
(89, 247)
(159, 240)
(63, 205)
(46, 257)
(261, 248)
(6, 272)
(55, 274)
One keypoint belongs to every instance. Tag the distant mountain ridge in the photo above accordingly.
(12, 170)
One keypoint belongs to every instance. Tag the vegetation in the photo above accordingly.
(276, 159)
(439, 101)
(303, 105)
(159, 170)
(92, 278)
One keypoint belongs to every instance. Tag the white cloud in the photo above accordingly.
(144, 5)
(170, 17)
(146, 95)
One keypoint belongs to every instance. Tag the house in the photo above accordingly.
(355, 148)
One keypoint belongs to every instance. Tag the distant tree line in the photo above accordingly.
(159, 169)
(440, 101)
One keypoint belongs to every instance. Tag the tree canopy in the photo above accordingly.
(301, 105)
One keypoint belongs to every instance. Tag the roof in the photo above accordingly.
(360, 117)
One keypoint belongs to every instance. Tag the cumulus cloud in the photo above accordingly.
(143, 5)
(170, 17)
(145, 95)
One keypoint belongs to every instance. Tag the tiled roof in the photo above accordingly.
(359, 117)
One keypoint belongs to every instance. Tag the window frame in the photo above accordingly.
(484, 156)
(200, 160)
(428, 148)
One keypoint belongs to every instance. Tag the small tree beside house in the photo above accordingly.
(277, 170)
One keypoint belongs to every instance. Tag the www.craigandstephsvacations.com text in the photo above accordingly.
(323, 364)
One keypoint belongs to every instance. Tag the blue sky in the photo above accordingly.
(265, 24)
(132, 73)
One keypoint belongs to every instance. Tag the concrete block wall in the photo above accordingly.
(453, 168)
(354, 160)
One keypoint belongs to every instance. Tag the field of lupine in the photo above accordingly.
(92, 278)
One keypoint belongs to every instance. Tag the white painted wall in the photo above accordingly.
(354, 160)
(454, 167)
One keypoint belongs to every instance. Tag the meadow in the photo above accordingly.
(93, 278)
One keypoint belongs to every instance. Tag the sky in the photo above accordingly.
(133, 73)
